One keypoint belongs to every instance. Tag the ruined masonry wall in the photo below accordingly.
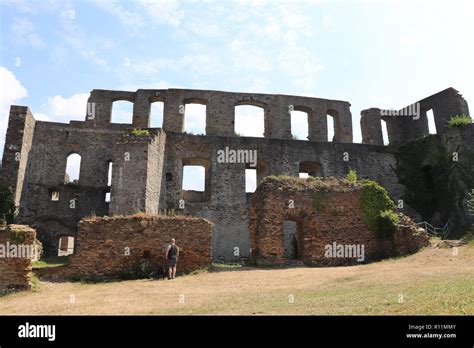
(152, 181)
(15, 272)
(102, 242)
(324, 215)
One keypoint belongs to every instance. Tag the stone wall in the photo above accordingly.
(16, 257)
(325, 212)
(18, 143)
(403, 129)
(110, 245)
(220, 108)
(137, 172)
(154, 181)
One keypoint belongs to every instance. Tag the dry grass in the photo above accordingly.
(433, 281)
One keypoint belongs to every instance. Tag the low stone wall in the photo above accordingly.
(17, 250)
(326, 213)
(107, 246)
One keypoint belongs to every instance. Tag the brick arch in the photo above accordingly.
(50, 230)
(156, 98)
(303, 108)
(251, 102)
(126, 98)
(195, 100)
(313, 168)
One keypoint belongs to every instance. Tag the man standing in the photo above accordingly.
(172, 254)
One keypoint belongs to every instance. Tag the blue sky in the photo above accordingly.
(370, 53)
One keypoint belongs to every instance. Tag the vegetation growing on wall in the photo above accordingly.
(377, 209)
(351, 176)
(459, 121)
(435, 184)
(18, 237)
(141, 132)
(8, 210)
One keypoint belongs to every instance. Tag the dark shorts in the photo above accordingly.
(172, 263)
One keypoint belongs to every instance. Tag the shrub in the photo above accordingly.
(8, 211)
(351, 176)
(142, 270)
(374, 201)
(141, 132)
(386, 222)
(459, 121)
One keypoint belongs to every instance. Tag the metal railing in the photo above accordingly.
(442, 232)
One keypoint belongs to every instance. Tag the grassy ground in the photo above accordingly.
(50, 262)
(433, 281)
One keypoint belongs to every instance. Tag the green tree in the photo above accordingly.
(8, 210)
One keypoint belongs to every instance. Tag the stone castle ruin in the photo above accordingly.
(147, 166)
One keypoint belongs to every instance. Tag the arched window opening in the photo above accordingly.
(249, 121)
(122, 112)
(431, 121)
(330, 121)
(290, 241)
(156, 114)
(384, 132)
(250, 180)
(309, 168)
(195, 179)
(109, 174)
(299, 125)
(66, 246)
(73, 169)
(195, 118)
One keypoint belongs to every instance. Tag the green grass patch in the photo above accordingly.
(226, 265)
(48, 262)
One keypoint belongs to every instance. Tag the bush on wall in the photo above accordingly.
(377, 209)
(8, 210)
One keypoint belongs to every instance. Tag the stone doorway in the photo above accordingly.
(290, 240)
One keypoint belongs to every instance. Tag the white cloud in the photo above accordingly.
(328, 22)
(11, 92)
(132, 20)
(301, 66)
(246, 54)
(162, 84)
(34, 7)
(196, 62)
(412, 40)
(144, 13)
(23, 30)
(77, 40)
(163, 11)
(61, 109)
